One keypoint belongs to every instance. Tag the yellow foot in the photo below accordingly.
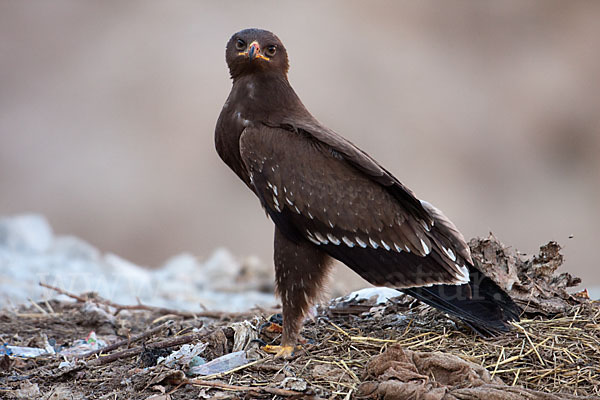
(280, 351)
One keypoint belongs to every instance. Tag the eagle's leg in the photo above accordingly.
(300, 271)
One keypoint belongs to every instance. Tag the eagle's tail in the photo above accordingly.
(482, 304)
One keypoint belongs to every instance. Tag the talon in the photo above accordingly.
(281, 351)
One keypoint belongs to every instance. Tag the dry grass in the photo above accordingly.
(558, 355)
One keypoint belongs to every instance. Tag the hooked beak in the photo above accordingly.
(254, 52)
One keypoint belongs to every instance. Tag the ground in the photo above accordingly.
(354, 348)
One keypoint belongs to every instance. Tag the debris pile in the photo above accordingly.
(370, 344)
(531, 282)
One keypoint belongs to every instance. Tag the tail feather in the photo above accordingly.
(481, 303)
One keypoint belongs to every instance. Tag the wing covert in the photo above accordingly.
(312, 192)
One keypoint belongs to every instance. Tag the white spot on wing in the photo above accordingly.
(289, 201)
(320, 238)
(312, 239)
(348, 242)
(425, 248)
(449, 253)
(385, 245)
(398, 248)
(373, 243)
(333, 239)
(360, 242)
(426, 226)
(463, 274)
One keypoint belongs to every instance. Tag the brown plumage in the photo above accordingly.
(329, 199)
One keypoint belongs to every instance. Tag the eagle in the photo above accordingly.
(330, 200)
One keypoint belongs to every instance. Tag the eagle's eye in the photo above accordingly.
(240, 45)
(270, 51)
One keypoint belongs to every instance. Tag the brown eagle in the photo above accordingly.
(331, 200)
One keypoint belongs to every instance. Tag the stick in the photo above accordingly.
(160, 310)
(225, 386)
(60, 291)
(120, 343)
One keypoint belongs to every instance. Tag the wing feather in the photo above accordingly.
(314, 194)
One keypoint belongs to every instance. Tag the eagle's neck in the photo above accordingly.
(264, 98)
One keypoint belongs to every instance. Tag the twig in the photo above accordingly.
(160, 310)
(225, 386)
(138, 350)
(498, 362)
(61, 291)
(132, 339)
(49, 307)
(37, 306)
(531, 342)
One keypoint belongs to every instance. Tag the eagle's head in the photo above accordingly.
(255, 50)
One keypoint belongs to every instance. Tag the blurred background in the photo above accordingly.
(490, 110)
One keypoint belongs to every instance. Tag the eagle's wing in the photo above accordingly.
(354, 211)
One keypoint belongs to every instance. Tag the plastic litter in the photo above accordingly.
(25, 352)
(91, 342)
(197, 361)
(66, 364)
(221, 364)
(186, 355)
(28, 352)
(373, 295)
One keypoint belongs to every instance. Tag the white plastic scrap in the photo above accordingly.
(90, 343)
(183, 356)
(26, 352)
(221, 364)
(381, 295)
